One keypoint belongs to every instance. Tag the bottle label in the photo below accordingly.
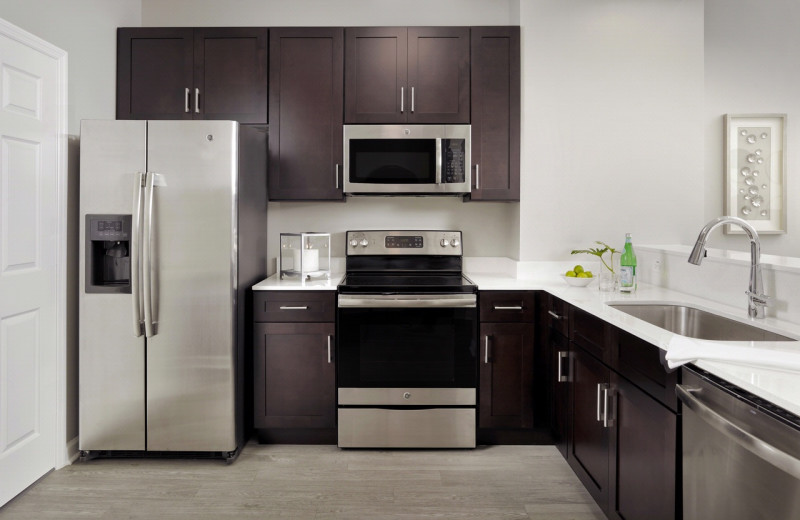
(626, 277)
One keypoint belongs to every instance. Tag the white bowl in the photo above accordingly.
(577, 282)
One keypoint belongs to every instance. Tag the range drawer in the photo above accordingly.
(507, 306)
(294, 306)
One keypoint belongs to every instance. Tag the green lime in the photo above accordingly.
(571, 274)
(578, 269)
(588, 274)
(582, 275)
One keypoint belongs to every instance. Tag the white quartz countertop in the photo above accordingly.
(781, 387)
(274, 283)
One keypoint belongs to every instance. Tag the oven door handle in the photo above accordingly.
(407, 301)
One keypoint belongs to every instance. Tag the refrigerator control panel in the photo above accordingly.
(106, 227)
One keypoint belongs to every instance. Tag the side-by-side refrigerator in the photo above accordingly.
(173, 233)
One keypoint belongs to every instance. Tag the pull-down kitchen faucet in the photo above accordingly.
(757, 300)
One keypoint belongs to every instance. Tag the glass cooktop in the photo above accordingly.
(406, 283)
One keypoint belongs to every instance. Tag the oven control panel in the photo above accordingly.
(441, 243)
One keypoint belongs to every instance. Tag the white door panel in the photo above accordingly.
(29, 205)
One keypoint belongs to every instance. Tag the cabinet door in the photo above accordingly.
(154, 73)
(305, 127)
(495, 113)
(561, 366)
(438, 75)
(294, 376)
(506, 375)
(230, 74)
(645, 450)
(588, 455)
(376, 75)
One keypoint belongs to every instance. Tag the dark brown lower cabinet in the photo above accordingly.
(506, 375)
(560, 359)
(589, 452)
(644, 456)
(295, 382)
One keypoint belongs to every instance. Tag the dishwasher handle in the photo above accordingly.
(758, 447)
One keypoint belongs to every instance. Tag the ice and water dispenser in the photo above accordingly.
(108, 253)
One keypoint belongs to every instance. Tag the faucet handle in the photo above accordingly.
(759, 299)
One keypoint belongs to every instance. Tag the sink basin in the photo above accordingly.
(697, 323)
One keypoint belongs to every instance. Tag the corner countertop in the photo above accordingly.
(781, 387)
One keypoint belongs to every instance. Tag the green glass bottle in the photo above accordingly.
(627, 267)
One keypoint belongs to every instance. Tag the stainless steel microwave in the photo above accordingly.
(407, 159)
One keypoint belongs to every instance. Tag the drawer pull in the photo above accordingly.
(562, 355)
(486, 354)
(507, 307)
(329, 349)
(556, 316)
(298, 308)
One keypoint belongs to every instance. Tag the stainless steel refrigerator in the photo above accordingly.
(173, 233)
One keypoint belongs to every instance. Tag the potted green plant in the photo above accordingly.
(608, 277)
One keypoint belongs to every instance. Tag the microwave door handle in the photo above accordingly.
(438, 160)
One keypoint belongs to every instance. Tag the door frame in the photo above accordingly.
(62, 448)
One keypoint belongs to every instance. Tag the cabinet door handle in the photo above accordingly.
(336, 173)
(562, 355)
(556, 316)
(412, 100)
(477, 176)
(298, 308)
(486, 353)
(507, 308)
(186, 100)
(329, 349)
(402, 97)
(599, 398)
(606, 388)
(196, 100)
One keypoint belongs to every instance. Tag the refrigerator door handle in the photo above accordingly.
(147, 256)
(136, 221)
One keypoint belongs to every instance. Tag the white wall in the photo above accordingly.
(490, 228)
(86, 29)
(751, 66)
(612, 123)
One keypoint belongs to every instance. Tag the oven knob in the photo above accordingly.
(455, 242)
(364, 242)
(444, 242)
(353, 243)
(407, 395)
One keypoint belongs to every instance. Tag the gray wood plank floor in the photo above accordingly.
(316, 482)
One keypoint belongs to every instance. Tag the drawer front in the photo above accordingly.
(406, 428)
(643, 364)
(591, 333)
(557, 314)
(507, 306)
(294, 306)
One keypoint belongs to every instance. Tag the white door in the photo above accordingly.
(29, 263)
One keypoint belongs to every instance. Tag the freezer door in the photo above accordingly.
(111, 357)
(190, 355)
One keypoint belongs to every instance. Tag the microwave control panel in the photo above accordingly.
(454, 151)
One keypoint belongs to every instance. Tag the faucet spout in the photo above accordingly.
(757, 300)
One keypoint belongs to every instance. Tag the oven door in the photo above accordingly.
(407, 341)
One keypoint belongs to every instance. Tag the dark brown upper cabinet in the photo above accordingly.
(495, 113)
(184, 73)
(305, 113)
(407, 75)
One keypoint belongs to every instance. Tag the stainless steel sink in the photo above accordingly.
(697, 323)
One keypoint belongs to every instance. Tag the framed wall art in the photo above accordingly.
(755, 171)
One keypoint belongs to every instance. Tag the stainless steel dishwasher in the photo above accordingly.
(741, 455)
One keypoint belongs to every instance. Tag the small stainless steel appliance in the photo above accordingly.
(741, 458)
(407, 159)
(407, 342)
